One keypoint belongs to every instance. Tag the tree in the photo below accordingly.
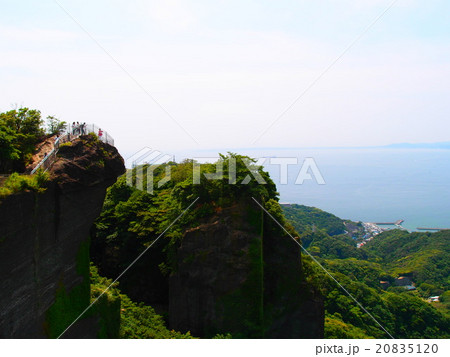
(55, 126)
(23, 121)
(20, 131)
(8, 150)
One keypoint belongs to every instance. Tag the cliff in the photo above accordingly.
(44, 247)
(240, 273)
(224, 267)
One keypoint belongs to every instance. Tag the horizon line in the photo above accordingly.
(404, 145)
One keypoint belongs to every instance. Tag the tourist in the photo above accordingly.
(100, 133)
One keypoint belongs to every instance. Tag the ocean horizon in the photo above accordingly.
(377, 184)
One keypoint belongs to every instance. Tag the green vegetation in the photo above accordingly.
(20, 183)
(66, 144)
(336, 328)
(337, 247)
(132, 219)
(107, 305)
(141, 321)
(401, 313)
(424, 257)
(246, 304)
(117, 314)
(135, 320)
(69, 305)
(322, 233)
(55, 126)
(366, 272)
(305, 218)
(223, 336)
(20, 131)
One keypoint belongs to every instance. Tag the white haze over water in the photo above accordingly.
(371, 185)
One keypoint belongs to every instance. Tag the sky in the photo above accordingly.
(175, 74)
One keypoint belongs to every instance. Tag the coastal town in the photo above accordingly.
(363, 232)
(373, 229)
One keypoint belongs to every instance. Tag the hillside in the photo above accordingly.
(423, 257)
(305, 218)
(322, 233)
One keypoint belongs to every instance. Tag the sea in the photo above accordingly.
(361, 184)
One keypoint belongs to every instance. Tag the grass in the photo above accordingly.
(22, 183)
(68, 143)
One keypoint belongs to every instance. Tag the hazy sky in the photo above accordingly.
(225, 70)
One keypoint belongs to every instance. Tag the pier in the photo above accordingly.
(432, 229)
(396, 223)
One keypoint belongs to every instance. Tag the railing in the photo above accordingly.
(72, 132)
(83, 129)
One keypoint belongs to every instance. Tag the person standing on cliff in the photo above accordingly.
(100, 133)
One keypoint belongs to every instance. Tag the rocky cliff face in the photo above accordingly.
(44, 247)
(240, 273)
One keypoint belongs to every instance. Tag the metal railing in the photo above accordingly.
(72, 132)
(83, 129)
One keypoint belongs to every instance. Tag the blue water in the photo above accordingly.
(371, 185)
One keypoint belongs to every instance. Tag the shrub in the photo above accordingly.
(136, 319)
(21, 183)
(68, 143)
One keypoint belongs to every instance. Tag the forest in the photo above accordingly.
(422, 257)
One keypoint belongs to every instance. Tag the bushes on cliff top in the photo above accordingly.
(132, 219)
(235, 179)
(20, 131)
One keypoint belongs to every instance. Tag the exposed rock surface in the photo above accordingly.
(44, 243)
(42, 149)
(242, 274)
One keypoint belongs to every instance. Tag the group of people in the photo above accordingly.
(78, 129)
